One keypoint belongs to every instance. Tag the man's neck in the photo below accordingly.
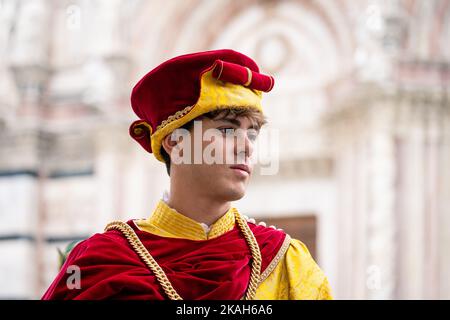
(200, 209)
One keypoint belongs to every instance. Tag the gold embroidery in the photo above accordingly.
(168, 222)
(176, 116)
(277, 258)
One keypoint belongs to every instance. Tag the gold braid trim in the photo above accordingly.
(146, 257)
(176, 116)
(170, 291)
(256, 256)
(277, 258)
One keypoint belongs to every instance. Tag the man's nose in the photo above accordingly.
(244, 145)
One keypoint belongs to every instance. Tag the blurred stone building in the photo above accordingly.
(361, 103)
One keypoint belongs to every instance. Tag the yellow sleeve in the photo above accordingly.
(296, 277)
(306, 280)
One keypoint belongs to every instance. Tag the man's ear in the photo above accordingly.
(168, 144)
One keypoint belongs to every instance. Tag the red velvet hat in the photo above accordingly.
(185, 87)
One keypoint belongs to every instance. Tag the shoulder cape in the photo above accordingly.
(212, 269)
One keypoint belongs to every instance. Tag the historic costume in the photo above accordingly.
(171, 256)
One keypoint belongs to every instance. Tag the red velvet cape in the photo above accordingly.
(216, 269)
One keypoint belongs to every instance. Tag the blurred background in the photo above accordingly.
(361, 103)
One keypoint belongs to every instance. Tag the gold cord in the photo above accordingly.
(143, 253)
(256, 257)
(170, 291)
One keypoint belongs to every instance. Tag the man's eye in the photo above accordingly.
(252, 136)
(227, 131)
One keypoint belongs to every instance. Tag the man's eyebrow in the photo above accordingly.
(232, 121)
(238, 123)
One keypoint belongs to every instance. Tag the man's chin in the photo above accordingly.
(235, 195)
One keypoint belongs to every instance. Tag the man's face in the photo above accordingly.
(223, 165)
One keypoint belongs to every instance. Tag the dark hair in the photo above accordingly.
(255, 115)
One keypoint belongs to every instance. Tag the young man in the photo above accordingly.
(196, 245)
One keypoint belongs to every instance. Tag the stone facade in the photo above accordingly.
(361, 105)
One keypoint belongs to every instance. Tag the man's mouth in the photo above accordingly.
(242, 167)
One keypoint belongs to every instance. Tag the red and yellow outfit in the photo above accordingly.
(296, 275)
(218, 263)
(200, 265)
